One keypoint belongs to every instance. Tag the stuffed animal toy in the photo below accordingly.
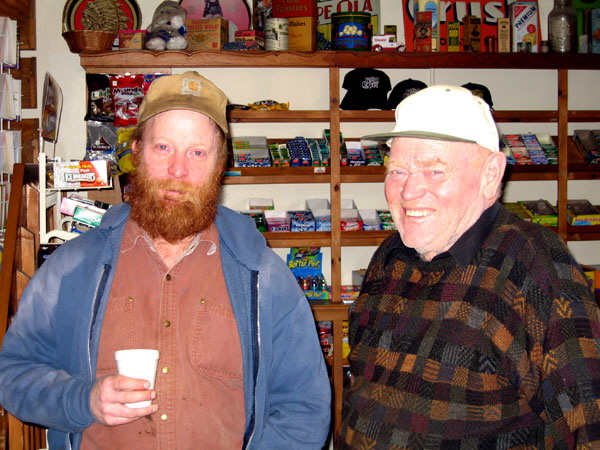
(167, 30)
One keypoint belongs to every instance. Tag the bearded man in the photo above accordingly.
(240, 363)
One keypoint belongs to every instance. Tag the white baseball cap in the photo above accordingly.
(446, 113)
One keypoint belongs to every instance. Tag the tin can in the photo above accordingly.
(351, 31)
(276, 34)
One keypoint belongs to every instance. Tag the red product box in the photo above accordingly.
(294, 8)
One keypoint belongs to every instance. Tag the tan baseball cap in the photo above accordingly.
(190, 91)
(446, 113)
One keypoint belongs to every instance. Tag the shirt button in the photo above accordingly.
(165, 369)
(168, 277)
(167, 323)
(163, 417)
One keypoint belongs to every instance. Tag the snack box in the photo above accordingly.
(250, 35)
(302, 220)
(582, 212)
(294, 8)
(261, 203)
(518, 210)
(321, 211)
(370, 218)
(350, 220)
(525, 25)
(87, 216)
(540, 211)
(302, 34)
(259, 218)
(68, 204)
(207, 34)
(387, 223)
(277, 220)
(132, 39)
(81, 174)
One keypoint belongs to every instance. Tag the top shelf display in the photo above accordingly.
(325, 59)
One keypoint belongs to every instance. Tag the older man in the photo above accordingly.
(240, 363)
(473, 329)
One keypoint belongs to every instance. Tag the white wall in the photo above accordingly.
(307, 89)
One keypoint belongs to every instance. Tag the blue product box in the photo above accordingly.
(302, 221)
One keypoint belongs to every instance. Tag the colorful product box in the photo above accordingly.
(302, 34)
(294, 8)
(423, 30)
(277, 220)
(582, 212)
(540, 211)
(302, 221)
(132, 39)
(250, 35)
(207, 34)
(525, 25)
(81, 174)
(453, 30)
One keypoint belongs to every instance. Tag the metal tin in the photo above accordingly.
(351, 31)
(276, 34)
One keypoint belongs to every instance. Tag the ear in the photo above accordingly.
(493, 172)
(135, 146)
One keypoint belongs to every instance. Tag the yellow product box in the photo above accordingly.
(207, 34)
(592, 272)
(540, 211)
(582, 212)
(132, 39)
(302, 34)
(453, 29)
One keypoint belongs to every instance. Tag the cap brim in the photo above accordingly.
(415, 134)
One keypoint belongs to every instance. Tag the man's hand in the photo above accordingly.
(110, 393)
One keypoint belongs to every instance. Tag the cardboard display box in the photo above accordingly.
(207, 34)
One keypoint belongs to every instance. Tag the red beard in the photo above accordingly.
(172, 218)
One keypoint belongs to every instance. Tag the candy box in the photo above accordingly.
(261, 203)
(81, 174)
(540, 211)
(259, 218)
(321, 211)
(302, 220)
(350, 220)
(277, 220)
(582, 212)
(370, 218)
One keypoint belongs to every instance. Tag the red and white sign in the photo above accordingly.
(454, 11)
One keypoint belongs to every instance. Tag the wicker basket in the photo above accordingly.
(89, 40)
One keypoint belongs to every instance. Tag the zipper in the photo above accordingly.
(257, 359)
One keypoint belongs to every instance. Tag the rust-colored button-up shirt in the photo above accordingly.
(184, 311)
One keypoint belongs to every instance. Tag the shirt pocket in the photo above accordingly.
(117, 334)
(216, 350)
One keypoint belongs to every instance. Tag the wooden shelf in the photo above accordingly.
(128, 59)
(571, 165)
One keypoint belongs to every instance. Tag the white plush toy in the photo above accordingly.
(167, 30)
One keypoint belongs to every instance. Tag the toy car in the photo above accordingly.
(385, 43)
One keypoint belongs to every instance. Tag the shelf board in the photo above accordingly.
(123, 60)
(332, 311)
(277, 175)
(258, 116)
(285, 239)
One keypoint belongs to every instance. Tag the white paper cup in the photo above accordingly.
(138, 363)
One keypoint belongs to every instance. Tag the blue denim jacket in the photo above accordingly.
(48, 358)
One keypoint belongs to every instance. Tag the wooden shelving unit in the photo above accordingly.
(570, 167)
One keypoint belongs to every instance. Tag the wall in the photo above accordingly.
(307, 89)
